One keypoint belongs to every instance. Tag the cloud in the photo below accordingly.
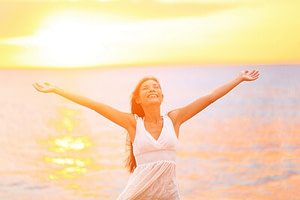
(23, 18)
(151, 32)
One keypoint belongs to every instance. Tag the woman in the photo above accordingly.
(152, 137)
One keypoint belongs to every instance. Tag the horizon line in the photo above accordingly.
(143, 65)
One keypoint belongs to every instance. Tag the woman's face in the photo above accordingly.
(150, 93)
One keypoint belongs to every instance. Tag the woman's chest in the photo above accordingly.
(154, 129)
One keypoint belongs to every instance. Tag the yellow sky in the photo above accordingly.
(83, 33)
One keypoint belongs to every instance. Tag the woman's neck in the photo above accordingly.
(152, 115)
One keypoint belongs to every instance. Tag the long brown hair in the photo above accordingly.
(137, 110)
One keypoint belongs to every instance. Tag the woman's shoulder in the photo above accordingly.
(172, 114)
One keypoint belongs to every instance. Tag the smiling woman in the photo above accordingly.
(152, 136)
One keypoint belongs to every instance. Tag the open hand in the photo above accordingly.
(46, 87)
(249, 76)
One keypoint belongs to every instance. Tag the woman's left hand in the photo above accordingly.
(249, 76)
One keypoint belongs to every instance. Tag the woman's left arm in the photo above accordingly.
(183, 114)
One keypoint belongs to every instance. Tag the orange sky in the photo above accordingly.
(84, 33)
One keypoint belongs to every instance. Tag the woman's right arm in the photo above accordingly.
(125, 120)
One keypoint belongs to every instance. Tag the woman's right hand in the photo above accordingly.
(46, 87)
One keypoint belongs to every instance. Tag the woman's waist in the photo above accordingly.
(156, 155)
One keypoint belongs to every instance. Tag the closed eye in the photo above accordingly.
(156, 87)
(145, 88)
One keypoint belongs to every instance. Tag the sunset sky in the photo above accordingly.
(85, 33)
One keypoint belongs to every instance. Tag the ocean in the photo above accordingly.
(244, 146)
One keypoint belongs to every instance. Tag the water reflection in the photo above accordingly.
(67, 155)
(66, 120)
(68, 143)
(67, 151)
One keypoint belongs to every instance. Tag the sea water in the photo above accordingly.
(244, 146)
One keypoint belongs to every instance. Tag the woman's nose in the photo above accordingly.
(152, 89)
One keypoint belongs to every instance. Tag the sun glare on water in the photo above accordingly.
(68, 165)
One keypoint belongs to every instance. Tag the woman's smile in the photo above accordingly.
(152, 95)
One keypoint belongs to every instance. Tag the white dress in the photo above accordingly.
(155, 175)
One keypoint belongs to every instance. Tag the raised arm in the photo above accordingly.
(125, 120)
(181, 115)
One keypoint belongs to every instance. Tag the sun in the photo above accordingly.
(114, 35)
(71, 39)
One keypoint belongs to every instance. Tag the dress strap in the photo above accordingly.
(138, 128)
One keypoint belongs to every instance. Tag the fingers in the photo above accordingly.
(250, 76)
(46, 87)
(254, 74)
(36, 86)
(39, 87)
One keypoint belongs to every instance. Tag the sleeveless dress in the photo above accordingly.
(154, 178)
